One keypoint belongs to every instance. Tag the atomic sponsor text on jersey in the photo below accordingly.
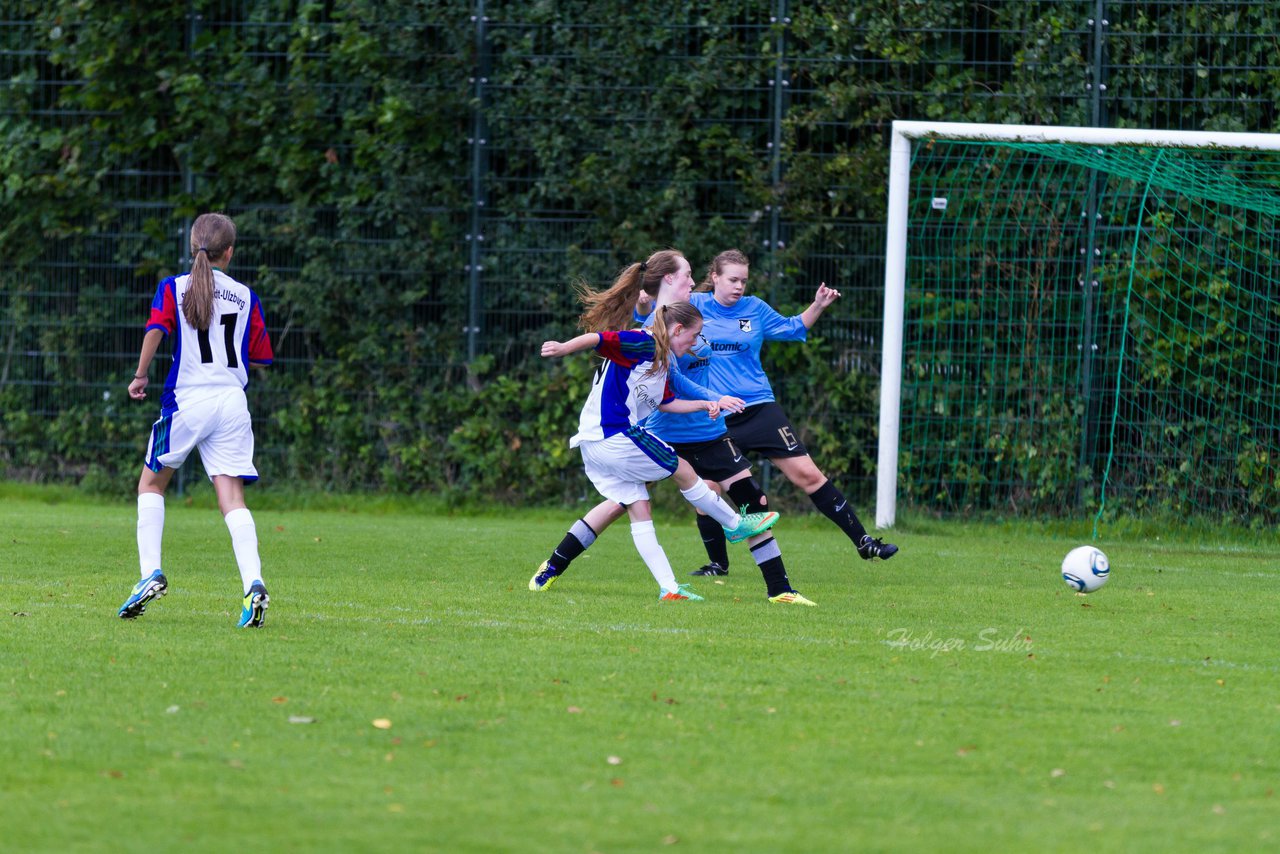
(721, 347)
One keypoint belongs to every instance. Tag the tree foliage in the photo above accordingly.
(402, 171)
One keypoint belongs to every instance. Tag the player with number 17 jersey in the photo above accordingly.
(207, 361)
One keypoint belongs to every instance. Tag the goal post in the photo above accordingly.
(1011, 239)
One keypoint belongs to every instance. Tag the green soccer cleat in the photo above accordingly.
(791, 597)
(681, 594)
(544, 577)
(145, 591)
(751, 524)
(254, 611)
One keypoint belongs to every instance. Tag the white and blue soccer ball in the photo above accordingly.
(1085, 569)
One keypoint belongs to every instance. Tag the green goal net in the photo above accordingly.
(1089, 328)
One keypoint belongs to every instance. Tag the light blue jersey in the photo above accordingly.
(731, 364)
(737, 334)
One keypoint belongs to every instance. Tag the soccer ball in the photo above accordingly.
(1085, 569)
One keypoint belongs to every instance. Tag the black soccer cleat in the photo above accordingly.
(870, 548)
(712, 568)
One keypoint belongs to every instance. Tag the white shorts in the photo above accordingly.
(621, 465)
(218, 426)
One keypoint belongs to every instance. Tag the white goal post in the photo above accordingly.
(903, 135)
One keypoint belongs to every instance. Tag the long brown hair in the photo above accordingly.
(212, 234)
(664, 318)
(716, 267)
(612, 308)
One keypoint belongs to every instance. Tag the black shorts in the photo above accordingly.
(763, 428)
(716, 460)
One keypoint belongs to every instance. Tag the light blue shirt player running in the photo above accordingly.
(737, 326)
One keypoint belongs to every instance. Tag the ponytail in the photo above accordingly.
(212, 235)
(612, 309)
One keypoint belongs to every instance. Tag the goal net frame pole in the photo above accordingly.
(904, 133)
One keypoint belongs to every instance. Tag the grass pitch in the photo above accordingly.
(408, 693)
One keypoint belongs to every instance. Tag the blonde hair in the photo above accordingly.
(716, 267)
(212, 234)
(612, 308)
(666, 316)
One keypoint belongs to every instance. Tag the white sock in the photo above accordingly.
(646, 539)
(244, 541)
(700, 496)
(150, 531)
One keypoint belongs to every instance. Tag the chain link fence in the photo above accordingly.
(518, 147)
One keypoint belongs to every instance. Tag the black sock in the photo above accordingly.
(713, 539)
(575, 542)
(838, 509)
(769, 558)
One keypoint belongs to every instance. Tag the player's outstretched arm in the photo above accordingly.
(587, 341)
(680, 405)
(825, 297)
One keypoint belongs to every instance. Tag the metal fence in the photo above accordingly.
(782, 110)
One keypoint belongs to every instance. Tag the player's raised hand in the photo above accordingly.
(552, 348)
(826, 296)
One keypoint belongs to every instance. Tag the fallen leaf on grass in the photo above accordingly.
(614, 760)
(574, 710)
(382, 723)
(301, 719)
(279, 700)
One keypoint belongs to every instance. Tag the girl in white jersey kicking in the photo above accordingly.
(619, 455)
(218, 331)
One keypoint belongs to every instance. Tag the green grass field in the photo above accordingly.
(408, 693)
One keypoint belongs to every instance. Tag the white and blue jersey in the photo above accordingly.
(208, 361)
(737, 335)
(623, 392)
(203, 404)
